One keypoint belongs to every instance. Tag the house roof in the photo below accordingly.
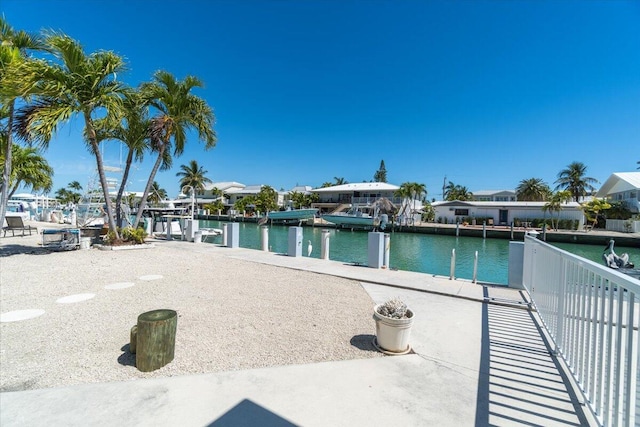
(223, 186)
(618, 182)
(360, 186)
(249, 189)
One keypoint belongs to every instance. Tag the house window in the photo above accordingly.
(462, 212)
(632, 195)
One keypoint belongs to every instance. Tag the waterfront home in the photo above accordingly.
(503, 213)
(362, 193)
(622, 187)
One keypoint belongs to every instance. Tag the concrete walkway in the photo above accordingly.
(478, 359)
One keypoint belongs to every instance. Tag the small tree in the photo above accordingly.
(267, 199)
(381, 173)
(593, 208)
(555, 203)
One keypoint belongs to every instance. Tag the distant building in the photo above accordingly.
(364, 193)
(622, 187)
(502, 213)
(495, 196)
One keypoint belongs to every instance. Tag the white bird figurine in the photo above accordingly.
(309, 248)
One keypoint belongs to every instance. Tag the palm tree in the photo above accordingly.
(133, 131)
(29, 170)
(178, 111)
(77, 84)
(14, 47)
(156, 194)
(339, 181)
(574, 180)
(555, 203)
(75, 185)
(533, 190)
(450, 191)
(193, 175)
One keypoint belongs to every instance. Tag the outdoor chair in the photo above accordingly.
(15, 223)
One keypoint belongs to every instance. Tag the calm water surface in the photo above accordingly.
(425, 253)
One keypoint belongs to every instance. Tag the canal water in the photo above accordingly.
(425, 253)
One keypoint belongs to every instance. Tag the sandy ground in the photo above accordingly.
(232, 314)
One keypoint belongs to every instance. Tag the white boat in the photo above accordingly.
(366, 217)
(292, 214)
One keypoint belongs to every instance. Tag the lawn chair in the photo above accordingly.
(15, 223)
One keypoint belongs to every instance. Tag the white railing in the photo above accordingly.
(591, 314)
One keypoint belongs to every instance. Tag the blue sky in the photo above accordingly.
(486, 93)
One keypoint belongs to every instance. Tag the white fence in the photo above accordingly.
(591, 313)
(623, 225)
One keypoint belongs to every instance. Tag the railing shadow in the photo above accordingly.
(520, 382)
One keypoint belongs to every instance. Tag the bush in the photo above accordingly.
(127, 235)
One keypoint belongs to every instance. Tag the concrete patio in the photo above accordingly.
(478, 359)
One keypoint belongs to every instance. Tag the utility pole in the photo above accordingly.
(444, 185)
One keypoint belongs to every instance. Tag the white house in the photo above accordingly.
(503, 213)
(363, 193)
(622, 187)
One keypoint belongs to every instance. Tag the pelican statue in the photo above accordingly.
(309, 248)
(614, 260)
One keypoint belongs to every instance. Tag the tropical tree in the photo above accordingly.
(411, 191)
(593, 208)
(74, 185)
(619, 210)
(326, 184)
(533, 190)
(133, 131)
(14, 50)
(554, 204)
(381, 173)
(457, 192)
(156, 193)
(179, 111)
(573, 179)
(76, 84)
(267, 199)
(69, 194)
(339, 181)
(29, 170)
(193, 175)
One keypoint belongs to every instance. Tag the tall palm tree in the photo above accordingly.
(193, 175)
(76, 84)
(533, 190)
(133, 131)
(574, 180)
(178, 111)
(29, 170)
(14, 48)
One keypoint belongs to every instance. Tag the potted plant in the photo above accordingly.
(393, 326)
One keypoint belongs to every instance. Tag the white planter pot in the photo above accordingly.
(393, 334)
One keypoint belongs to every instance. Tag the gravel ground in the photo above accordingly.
(233, 314)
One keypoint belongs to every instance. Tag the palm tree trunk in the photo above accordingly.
(125, 177)
(103, 178)
(6, 173)
(152, 176)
